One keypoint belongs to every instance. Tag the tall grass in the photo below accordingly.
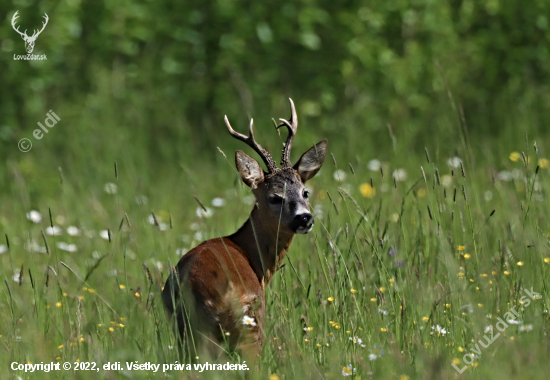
(399, 278)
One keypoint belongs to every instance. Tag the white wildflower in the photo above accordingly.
(348, 370)
(446, 180)
(110, 188)
(33, 246)
(55, 231)
(374, 165)
(104, 234)
(514, 322)
(454, 162)
(34, 216)
(526, 328)
(339, 175)
(376, 353)
(67, 247)
(248, 321)
(382, 311)
(3, 248)
(218, 202)
(73, 231)
(400, 175)
(181, 251)
(505, 176)
(201, 213)
(439, 330)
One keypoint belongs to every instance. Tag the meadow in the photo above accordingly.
(430, 254)
(409, 267)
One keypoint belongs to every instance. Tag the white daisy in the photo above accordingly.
(454, 162)
(348, 370)
(34, 216)
(526, 327)
(375, 353)
(204, 214)
(110, 188)
(248, 321)
(218, 202)
(356, 340)
(400, 175)
(374, 165)
(339, 175)
(73, 231)
(67, 247)
(439, 330)
(55, 231)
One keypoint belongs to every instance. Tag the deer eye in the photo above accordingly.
(275, 200)
(306, 194)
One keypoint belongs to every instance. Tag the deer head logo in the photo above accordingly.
(29, 41)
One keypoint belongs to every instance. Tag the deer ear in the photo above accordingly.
(251, 172)
(311, 161)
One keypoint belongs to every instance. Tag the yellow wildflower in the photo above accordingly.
(367, 190)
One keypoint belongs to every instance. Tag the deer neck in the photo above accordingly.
(264, 245)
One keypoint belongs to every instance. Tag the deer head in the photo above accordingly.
(29, 41)
(281, 196)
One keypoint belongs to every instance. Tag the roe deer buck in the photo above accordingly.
(218, 287)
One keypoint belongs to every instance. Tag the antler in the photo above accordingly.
(271, 166)
(13, 25)
(292, 126)
(35, 34)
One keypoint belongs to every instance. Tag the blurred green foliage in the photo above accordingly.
(152, 79)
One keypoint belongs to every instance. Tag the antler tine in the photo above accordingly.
(250, 141)
(13, 19)
(36, 33)
(292, 126)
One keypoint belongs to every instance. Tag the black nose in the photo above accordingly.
(304, 219)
